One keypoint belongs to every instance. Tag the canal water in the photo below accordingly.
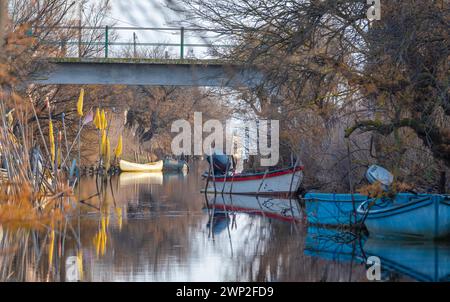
(159, 227)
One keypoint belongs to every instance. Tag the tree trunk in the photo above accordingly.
(443, 183)
(3, 22)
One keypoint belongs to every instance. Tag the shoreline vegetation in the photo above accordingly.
(48, 132)
(348, 93)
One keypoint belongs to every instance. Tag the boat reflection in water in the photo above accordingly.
(270, 207)
(140, 178)
(150, 178)
(218, 222)
(420, 260)
(334, 245)
(172, 176)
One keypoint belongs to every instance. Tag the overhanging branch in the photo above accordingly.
(438, 140)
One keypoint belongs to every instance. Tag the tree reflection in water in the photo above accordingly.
(158, 228)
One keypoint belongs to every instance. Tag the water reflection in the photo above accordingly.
(334, 245)
(134, 228)
(140, 178)
(271, 207)
(420, 260)
(218, 222)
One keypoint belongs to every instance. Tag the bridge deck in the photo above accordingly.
(154, 72)
(142, 61)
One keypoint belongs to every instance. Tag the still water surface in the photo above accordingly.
(157, 227)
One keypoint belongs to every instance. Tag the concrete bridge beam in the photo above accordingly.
(147, 72)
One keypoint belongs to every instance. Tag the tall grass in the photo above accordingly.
(34, 189)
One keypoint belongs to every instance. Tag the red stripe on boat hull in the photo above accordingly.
(278, 194)
(257, 177)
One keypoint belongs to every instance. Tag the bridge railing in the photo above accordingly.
(119, 42)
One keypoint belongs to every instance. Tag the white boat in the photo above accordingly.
(379, 174)
(127, 166)
(279, 182)
(140, 178)
(415, 216)
(271, 207)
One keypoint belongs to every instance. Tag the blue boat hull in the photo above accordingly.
(412, 216)
(332, 209)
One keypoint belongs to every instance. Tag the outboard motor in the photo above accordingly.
(221, 163)
(376, 173)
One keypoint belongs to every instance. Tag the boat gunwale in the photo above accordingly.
(314, 199)
(257, 176)
(127, 166)
(280, 194)
(144, 164)
(396, 209)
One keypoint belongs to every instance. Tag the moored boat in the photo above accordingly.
(332, 209)
(278, 182)
(127, 166)
(414, 216)
(175, 165)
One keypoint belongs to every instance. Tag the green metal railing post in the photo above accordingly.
(182, 43)
(134, 45)
(106, 41)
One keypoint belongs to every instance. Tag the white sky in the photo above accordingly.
(153, 13)
(148, 13)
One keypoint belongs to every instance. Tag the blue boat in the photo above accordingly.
(333, 209)
(175, 165)
(414, 216)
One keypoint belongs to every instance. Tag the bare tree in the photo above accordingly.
(326, 55)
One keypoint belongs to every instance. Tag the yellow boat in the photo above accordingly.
(127, 166)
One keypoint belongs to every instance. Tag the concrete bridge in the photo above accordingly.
(152, 72)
